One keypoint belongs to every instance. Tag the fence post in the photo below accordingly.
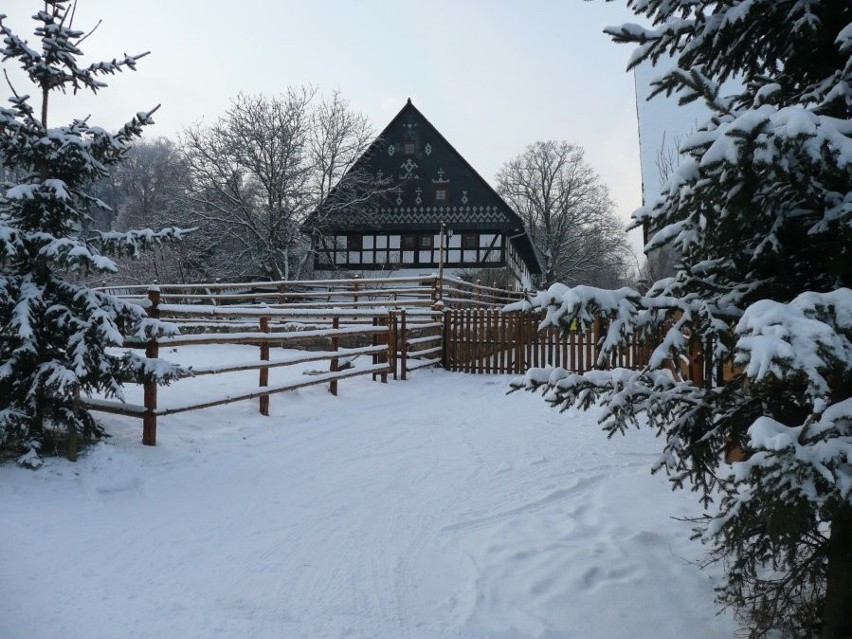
(385, 322)
(445, 340)
(519, 349)
(264, 372)
(335, 342)
(282, 293)
(152, 351)
(393, 341)
(403, 340)
(597, 340)
(375, 357)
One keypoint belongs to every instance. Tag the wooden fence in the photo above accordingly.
(375, 327)
(392, 292)
(402, 324)
(420, 339)
(491, 342)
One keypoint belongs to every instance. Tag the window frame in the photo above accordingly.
(355, 242)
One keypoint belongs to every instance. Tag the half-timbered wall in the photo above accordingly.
(381, 251)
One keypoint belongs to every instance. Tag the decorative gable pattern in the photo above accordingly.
(428, 183)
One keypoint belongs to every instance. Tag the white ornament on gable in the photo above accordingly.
(441, 179)
(428, 149)
(464, 197)
(407, 169)
(418, 199)
(391, 149)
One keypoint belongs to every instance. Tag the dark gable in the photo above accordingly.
(428, 182)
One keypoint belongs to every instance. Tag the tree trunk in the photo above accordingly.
(837, 614)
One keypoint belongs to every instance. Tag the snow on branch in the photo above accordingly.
(132, 243)
(809, 338)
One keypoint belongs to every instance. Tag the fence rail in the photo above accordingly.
(376, 327)
(356, 293)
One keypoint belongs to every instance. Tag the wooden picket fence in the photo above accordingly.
(487, 341)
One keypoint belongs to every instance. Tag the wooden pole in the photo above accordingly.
(445, 340)
(393, 341)
(264, 372)
(72, 432)
(376, 356)
(335, 344)
(149, 387)
(488, 342)
(519, 348)
(443, 244)
(403, 339)
(596, 340)
(386, 322)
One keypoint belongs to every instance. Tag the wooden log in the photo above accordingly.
(264, 372)
(384, 321)
(333, 365)
(521, 358)
(551, 346)
(403, 342)
(489, 348)
(293, 385)
(149, 387)
(446, 336)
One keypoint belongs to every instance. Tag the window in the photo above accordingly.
(409, 242)
(441, 194)
(408, 147)
(470, 241)
(427, 242)
(354, 242)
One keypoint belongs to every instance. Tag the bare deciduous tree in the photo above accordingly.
(148, 190)
(261, 169)
(568, 212)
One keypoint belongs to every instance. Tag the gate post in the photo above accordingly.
(264, 372)
(149, 388)
(335, 344)
(519, 341)
(403, 338)
(445, 340)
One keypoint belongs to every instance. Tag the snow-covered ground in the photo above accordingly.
(436, 507)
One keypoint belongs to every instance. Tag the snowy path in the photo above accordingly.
(432, 508)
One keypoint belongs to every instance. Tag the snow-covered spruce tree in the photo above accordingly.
(55, 333)
(761, 212)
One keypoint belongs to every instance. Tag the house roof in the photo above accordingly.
(415, 161)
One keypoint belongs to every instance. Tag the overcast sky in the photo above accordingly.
(491, 75)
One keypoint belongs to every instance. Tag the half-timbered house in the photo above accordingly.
(426, 186)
